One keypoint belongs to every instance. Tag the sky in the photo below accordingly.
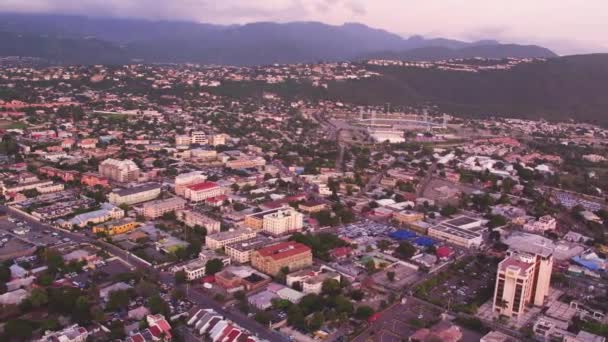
(565, 26)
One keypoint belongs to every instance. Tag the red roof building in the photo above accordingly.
(290, 254)
(444, 252)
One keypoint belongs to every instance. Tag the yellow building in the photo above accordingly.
(116, 226)
(293, 255)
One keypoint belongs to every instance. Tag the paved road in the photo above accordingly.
(194, 295)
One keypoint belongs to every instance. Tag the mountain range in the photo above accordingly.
(84, 40)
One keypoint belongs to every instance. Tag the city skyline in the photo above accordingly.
(513, 22)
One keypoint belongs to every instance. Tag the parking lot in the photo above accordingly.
(400, 321)
(366, 228)
(463, 286)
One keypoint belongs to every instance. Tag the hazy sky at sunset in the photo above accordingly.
(566, 26)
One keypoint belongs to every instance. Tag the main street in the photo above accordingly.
(193, 294)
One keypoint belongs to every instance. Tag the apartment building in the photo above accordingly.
(185, 179)
(93, 179)
(290, 254)
(221, 239)
(217, 139)
(47, 189)
(116, 226)
(282, 222)
(246, 163)
(183, 140)
(158, 208)
(240, 252)
(256, 221)
(407, 216)
(64, 175)
(193, 218)
(199, 137)
(119, 170)
(134, 195)
(522, 279)
(201, 191)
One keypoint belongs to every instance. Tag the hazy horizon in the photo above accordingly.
(574, 26)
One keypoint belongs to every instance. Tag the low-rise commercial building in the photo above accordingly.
(116, 226)
(134, 195)
(462, 231)
(107, 212)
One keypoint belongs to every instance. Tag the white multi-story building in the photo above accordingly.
(283, 221)
(185, 179)
(193, 218)
(462, 231)
(240, 252)
(199, 137)
(158, 208)
(119, 170)
(201, 191)
(543, 224)
(74, 333)
(523, 279)
(221, 239)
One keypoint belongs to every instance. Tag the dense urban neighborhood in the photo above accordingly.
(214, 203)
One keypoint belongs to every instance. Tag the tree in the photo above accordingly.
(356, 295)
(213, 266)
(38, 297)
(364, 312)
(5, 272)
(316, 322)
(331, 287)
(180, 276)
(310, 303)
(117, 329)
(146, 289)
(295, 317)
(18, 329)
(118, 300)
(383, 245)
(405, 250)
(263, 317)
(343, 305)
(497, 221)
(157, 305)
(448, 210)
(82, 310)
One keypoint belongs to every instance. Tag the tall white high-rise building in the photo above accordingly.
(119, 170)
